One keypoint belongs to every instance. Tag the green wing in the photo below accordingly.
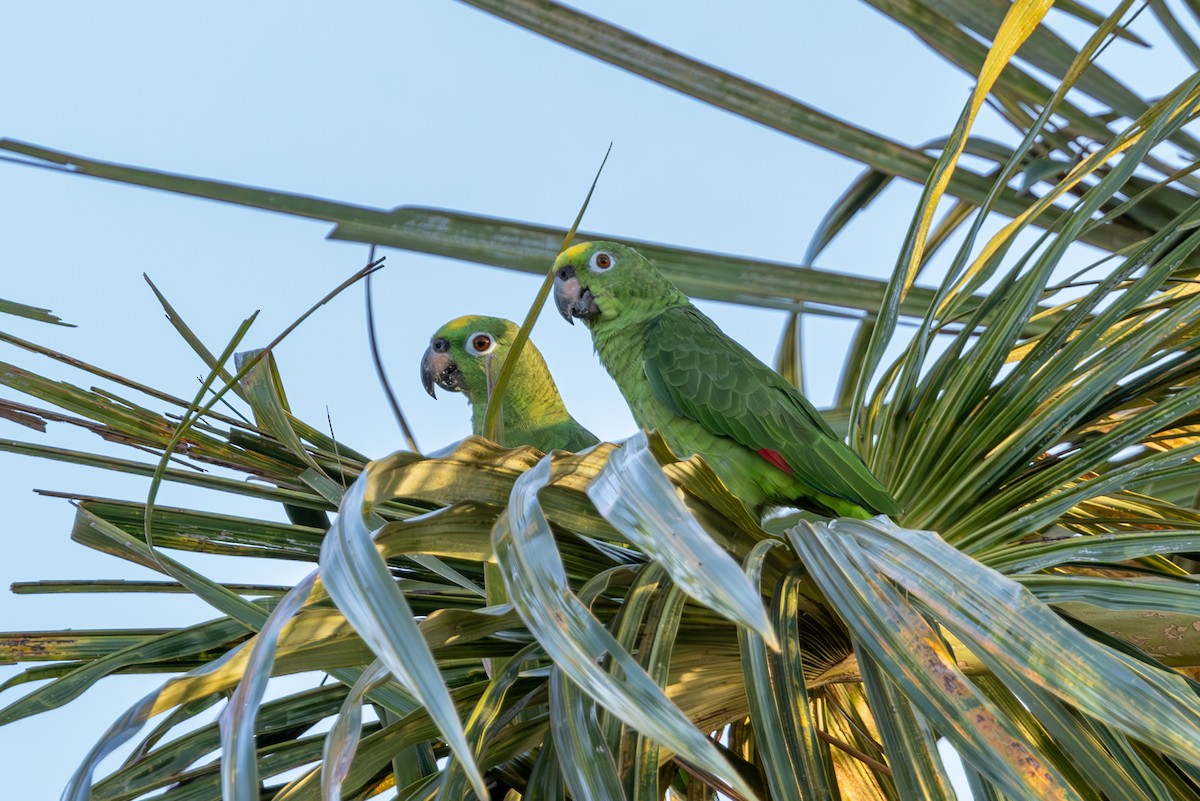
(571, 436)
(702, 374)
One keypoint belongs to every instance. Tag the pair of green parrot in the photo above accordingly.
(681, 376)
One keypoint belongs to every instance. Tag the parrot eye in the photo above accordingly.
(601, 262)
(481, 343)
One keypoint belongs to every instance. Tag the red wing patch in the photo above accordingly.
(774, 458)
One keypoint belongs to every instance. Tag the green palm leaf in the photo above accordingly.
(614, 624)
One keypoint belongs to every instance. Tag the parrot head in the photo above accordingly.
(599, 281)
(464, 355)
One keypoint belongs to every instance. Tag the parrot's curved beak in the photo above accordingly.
(438, 368)
(571, 298)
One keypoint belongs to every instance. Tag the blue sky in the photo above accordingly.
(383, 105)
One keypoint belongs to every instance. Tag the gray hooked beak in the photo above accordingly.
(438, 368)
(571, 299)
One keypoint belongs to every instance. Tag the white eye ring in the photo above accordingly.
(602, 261)
(474, 341)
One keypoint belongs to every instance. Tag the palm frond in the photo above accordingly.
(615, 623)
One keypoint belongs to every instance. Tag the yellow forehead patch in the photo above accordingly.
(471, 323)
(576, 251)
(459, 323)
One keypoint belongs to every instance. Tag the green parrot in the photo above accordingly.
(706, 394)
(465, 355)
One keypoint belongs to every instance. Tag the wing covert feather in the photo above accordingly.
(702, 374)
